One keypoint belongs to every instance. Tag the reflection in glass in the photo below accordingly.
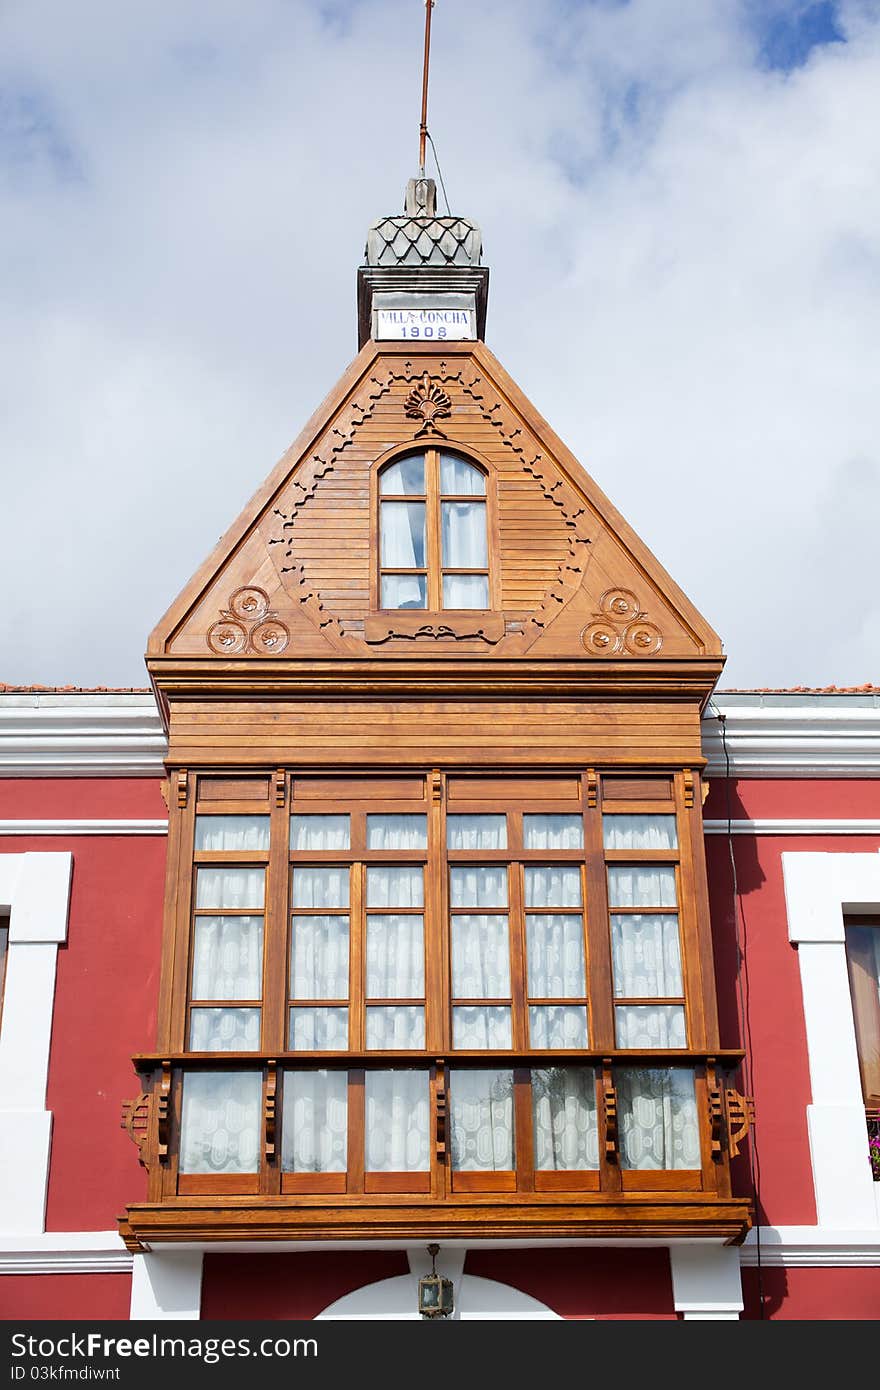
(481, 1114)
(564, 1119)
(406, 476)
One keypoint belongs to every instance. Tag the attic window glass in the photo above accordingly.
(433, 533)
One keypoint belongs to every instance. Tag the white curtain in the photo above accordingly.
(238, 833)
(395, 956)
(466, 591)
(476, 832)
(553, 832)
(564, 1119)
(393, 885)
(481, 1026)
(325, 887)
(320, 832)
(480, 957)
(319, 958)
(639, 832)
(463, 534)
(403, 535)
(555, 948)
(641, 885)
(472, 886)
(657, 1110)
(318, 1030)
(406, 476)
(393, 1027)
(224, 1030)
(404, 591)
(220, 1122)
(397, 1121)
(458, 478)
(557, 1025)
(650, 1025)
(314, 1135)
(553, 885)
(229, 888)
(482, 1120)
(390, 832)
(646, 956)
(228, 958)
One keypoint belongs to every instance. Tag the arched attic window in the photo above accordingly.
(433, 533)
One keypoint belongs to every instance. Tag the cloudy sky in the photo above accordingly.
(680, 204)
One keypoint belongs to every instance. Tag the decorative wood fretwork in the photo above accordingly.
(453, 628)
(270, 1111)
(441, 1102)
(280, 786)
(136, 1123)
(182, 788)
(163, 1113)
(592, 789)
(621, 627)
(428, 402)
(248, 625)
(715, 1108)
(740, 1118)
(609, 1102)
(688, 780)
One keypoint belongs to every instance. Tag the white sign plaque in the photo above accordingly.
(431, 325)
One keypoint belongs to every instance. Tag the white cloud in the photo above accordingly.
(685, 278)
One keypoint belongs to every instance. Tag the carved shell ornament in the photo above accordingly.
(428, 402)
(621, 626)
(247, 625)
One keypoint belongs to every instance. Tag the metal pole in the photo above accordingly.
(423, 128)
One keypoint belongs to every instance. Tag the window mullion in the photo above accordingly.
(357, 960)
(432, 488)
(600, 987)
(276, 931)
(517, 937)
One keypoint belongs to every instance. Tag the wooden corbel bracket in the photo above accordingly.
(609, 1101)
(270, 1110)
(740, 1111)
(163, 1113)
(136, 1123)
(441, 1102)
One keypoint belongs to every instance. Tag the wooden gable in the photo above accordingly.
(294, 578)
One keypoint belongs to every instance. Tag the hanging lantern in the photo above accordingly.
(435, 1292)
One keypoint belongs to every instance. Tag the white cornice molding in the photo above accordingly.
(85, 827)
(818, 736)
(792, 826)
(80, 735)
(65, 1252)
(810, 1247)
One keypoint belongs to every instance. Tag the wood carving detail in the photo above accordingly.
(270, 1110)
(441, 1110)
(136, 1123)
(415, 629)
(248, 625)
(621, 627)
(609, 1103)
(428, 402)
(163, 1113)
(740, 1118)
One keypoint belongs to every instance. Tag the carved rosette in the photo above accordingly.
(247, 625)
(427, 401)
(621, 627)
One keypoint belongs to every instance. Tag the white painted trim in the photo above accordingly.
(474, 1298)
(167, 1287)
(706, 1282)
(818, 889)
(36, 890)
(810, 1247)
(786, 736)
(84, 827)
(793, 826)
(65, 1252)
(64, 735)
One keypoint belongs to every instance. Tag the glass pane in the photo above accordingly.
(398, 1026)
(555, 947)
(220, 1122)
(553, 885)
(314, 1137)
(658, 1118)
(480, 958)
(395, 885)
(404, 591)
(320, 832)
(482, 1120)
(564, 1119)
(481, 1026)
(228, 958)
(863, 968)
(323, 887)
(224, 1030)
(226, 887)
(463, 535)
(473, 886)
(476, 832)
(397, 832)
(553, 832)
(319, 958)
(405, 476)
(641, 885)
(244, 833)
(465, 591)
(460, 478)
(650, 1025)
(639, 832)
(397, 1121)
(318, 1030)
(557, 1025)
(646, 955)
(403, 535)
(395, 957)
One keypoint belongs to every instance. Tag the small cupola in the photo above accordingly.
(422, 280)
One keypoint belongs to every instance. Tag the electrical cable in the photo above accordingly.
(439, 174)
(742, 993)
